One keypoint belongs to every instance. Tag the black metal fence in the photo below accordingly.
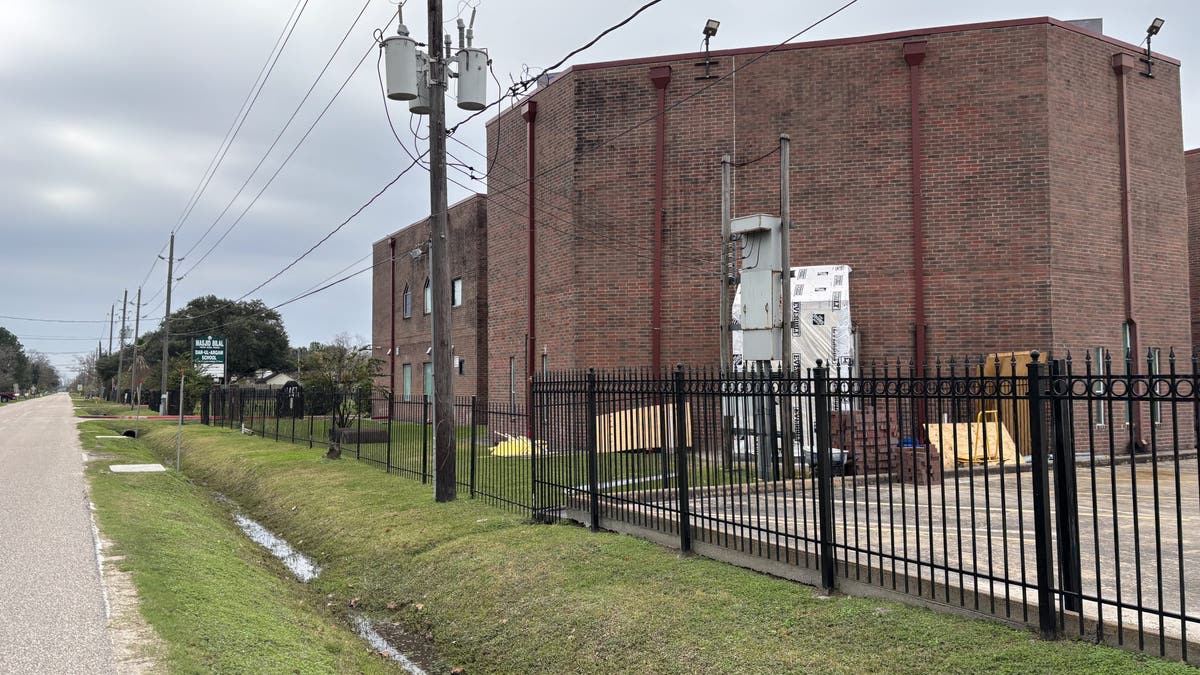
(395, 435)
(1056, 494)
(1060, 494)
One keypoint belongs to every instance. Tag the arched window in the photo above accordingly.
(428, 296)
(406, 302)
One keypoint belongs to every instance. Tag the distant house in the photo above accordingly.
(266, 379)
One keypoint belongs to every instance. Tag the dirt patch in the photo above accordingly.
(137, 648)
(415, 648)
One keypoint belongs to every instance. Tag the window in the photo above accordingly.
(407, 370)
(456, 293)
(1098, 387)
(428, 296)
(1154, 389)
(428, 380)
(545, 363)
(406, 301)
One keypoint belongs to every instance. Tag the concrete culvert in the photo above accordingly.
(130, 433)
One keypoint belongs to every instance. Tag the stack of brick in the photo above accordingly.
(916, 464)
(868, 436)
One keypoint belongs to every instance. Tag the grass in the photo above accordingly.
(220, 603)
(495, 593)
(99, 407)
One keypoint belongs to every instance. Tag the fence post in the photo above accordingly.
(388, 465)
(681, 466)
(824, 475)
(358, 430)
(425, 438)
(1065, 495)
(1047, 620)
(593, 451)
(474, 441)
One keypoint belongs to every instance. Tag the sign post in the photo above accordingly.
(179, 436)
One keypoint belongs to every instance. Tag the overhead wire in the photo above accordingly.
(684, 99)
(235, 128)
(283, 130)
(523, 85)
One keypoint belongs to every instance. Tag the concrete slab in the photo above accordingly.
(112, 437)
(137, 468)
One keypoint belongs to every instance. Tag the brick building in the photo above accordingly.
(404, 341)
(1025, 134)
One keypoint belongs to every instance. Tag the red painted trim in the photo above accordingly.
(1123, 64)
(1192, 151)
(661, 77)
(529, 113)
(392, 320)
(914, 55)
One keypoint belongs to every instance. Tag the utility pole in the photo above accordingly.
(726, 338)
(445, 486)
(121, 342)
(112, 315)
(422, 82)
(166, 328)
(133, 369)
(785, 264)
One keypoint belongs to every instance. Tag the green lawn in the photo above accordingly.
(219, 602)
(494, 593)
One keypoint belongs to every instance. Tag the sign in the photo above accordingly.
(208, 353)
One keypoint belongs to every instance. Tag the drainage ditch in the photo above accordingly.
(305, 569)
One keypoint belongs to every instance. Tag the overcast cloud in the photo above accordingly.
(110, 111)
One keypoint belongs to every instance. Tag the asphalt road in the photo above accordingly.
(52, 606)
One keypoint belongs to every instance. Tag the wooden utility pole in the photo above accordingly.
(726, 337)
(166, 327)
(785, 263)
(445, 486)
(134, 388)
(112, 316)
(121, 342)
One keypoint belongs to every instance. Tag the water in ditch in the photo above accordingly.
(305, 569)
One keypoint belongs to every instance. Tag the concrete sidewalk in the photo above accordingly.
(53, 612)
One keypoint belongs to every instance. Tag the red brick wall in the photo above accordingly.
(507, 249)
(1192, 165)
(468, 233)
(1010, 210)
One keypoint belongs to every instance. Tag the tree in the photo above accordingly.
(14, 364)
(254, 335)
(86, 375)
(339, 377)
(195, 385)
(42, 373)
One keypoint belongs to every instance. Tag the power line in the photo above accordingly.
(637, 125)
(523, 85)
(286, 159)
(387, 186)
(44, 320)
(244, 112)
(282, 131)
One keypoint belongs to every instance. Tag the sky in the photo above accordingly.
(111, 113)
